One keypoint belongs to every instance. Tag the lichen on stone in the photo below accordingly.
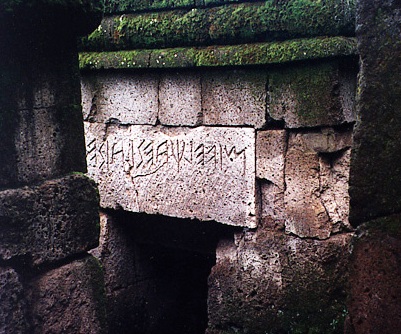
(236, 55)
(227, 24)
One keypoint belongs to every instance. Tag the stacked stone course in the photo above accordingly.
(234, 149)
(48, 207)
(228, 136)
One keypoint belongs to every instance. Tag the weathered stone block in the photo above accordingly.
(49, 222)
(314, 95)
(234, 97)
(316, 197)
(41, 120)
(204, 173)
(116, 252)
(70, 299)
(180, 99)
(38, 144)
(272, 208)
(270, 156)
(375, 181)
(374, 301)
(120, 97)
(269, 282)
(270, 163)
(12, 303)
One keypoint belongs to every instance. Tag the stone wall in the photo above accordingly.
(48, 207)
(254, 136)
(238, 121)
(375, 173)
(248, 183)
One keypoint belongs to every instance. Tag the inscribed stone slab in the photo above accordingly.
(206, 173)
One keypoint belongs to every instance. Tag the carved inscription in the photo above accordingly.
(195, 173)
(142, 157)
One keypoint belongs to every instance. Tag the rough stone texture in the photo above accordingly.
(180, 101)
(271, 148)
(41, 128)
(234, 97)
(222, 55)
(69, 299)
(316, 197)
(314, 95)
(268, 282)
(270, 155)
(375, 278)
(375, 181)
(127, 98)
(204, 173)
(12, 303)
(49, 222)
(227, 24)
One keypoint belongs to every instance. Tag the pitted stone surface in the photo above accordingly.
(271, 147)
(69, 299)
(124, 98)
(270, 156)
(12, 302)
(316, 197)
(269, 282)
(49, 222)
(234, 98)
(204, 173)
(180, 99)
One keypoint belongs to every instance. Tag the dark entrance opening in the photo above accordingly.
(156, 271)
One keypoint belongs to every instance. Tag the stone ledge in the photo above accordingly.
(49, 222)
(225, 25)
(234, 55)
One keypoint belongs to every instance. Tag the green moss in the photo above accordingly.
(228, 24)
(309, 92)
(98, 290)
(237, 55)
(390, 225)
(122, 6)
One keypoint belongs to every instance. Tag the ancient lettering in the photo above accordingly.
(142, 157)
(181, 172)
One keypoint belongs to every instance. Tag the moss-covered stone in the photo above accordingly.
(124, 6)
(312, 95)
(375, 179)
(129, 6)
(236, 55)
(228, 24)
